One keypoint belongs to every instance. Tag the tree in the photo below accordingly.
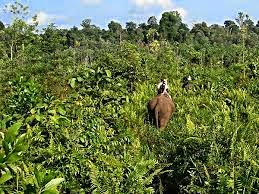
(114, 27)
(90, 31)
(152, 34)
(86, 23)
(248, 22)
(229, 23)
(143, 28)
(257, 28)
(2, 26)
(131, 31)
(230, 26)
(151, 30)
(53, 39)
(152, 22)
(73, 36)
(183, 33)
(17, 9)
(217, 34)
(171, 26)
(202, 28)
(131, 27)
(201, 33)
(115, 30)
(243, 27)
(18, 34)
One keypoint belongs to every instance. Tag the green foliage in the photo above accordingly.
(15, 175)
(11, 150)
(207, 139)
(24, 96)
(172, 28)
(73, 109)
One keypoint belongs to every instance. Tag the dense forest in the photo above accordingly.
(73, 106)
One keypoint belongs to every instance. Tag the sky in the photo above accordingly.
(68, 13)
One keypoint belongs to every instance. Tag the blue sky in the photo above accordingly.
(66, 13)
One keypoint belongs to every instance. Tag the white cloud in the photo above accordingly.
(45, 18)
(166, 5)
(64, 26)
(183, 12)
(91, 2)
(151, 3)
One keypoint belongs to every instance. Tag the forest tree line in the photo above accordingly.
(202, 43)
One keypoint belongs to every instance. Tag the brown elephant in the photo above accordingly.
(160, 109)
